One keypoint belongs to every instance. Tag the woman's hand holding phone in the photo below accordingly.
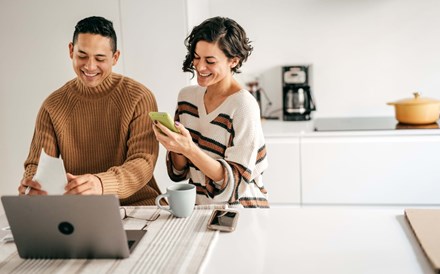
(183, 147)
(165, 119)
(165, 130)
(175, 138)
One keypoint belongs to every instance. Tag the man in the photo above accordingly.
(98, 123)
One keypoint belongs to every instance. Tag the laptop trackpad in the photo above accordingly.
(134, 237)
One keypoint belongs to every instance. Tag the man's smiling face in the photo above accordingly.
(92, 58)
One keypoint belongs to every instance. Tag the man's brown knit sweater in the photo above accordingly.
(104, 131)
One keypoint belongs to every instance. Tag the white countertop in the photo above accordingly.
(286, 128)
(278, 128)
(319, 240)
(289, 239)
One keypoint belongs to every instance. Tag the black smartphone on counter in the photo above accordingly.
(223, 220)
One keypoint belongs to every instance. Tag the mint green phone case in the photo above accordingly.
(165, 119)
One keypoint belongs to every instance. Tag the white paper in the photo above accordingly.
(51, 174)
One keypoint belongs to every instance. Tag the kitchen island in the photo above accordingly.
(319, 240)
(282, 239)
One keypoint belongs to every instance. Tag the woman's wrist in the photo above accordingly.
(191, 152)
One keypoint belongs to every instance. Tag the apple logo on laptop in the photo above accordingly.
(66, 228)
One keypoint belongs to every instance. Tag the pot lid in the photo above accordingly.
(417, 100)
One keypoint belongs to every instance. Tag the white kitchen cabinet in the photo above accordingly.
(370, 169)
(282, 178)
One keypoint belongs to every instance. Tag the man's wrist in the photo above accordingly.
(100, 181)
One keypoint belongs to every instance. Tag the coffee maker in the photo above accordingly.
(298, 101)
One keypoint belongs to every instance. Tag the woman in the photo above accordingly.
(220, 148)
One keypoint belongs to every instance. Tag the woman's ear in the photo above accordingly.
(234, 62)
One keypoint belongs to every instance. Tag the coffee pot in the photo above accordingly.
(298, 101)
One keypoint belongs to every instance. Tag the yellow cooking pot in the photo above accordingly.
(417, 110)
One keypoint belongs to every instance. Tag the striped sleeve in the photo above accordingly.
(246, 157)
(174, 174)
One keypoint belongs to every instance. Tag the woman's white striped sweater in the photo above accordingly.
(231, 134)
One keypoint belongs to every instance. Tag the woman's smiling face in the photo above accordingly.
(211, 64)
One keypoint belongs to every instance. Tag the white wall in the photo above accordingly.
(153, 35)
(364, 54)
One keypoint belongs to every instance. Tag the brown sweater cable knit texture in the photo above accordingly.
(105, 131)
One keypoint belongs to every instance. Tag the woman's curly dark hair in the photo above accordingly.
(228, 34)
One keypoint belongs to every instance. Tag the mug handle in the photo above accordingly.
(157, 202)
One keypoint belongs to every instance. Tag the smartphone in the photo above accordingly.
(223, 220)
(165, 119)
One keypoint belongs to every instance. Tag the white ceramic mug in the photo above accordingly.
(181, 197)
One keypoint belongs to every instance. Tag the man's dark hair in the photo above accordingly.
(96, 25)
(228, 34)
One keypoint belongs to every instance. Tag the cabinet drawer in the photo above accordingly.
(282, 178)
(371, 170)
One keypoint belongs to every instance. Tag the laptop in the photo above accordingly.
(69, 227)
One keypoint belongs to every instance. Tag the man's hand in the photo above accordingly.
(29, 187)
(87, 184)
